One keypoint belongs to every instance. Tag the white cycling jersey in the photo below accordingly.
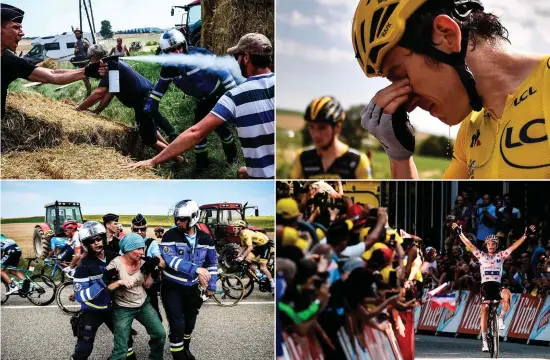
(491, 267)
(75, 241)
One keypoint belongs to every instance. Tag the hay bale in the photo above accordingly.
(48, 64)
(70, 161)
(225, 21)
(33, 121)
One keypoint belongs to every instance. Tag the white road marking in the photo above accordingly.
(76, 306)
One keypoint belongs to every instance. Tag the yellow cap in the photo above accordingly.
(288, 208)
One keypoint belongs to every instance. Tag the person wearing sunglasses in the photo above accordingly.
(206, 85)
(191, 264)
(154, 262)
(90, 289)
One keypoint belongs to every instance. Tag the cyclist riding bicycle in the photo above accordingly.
(254, 244)
(454, 60)
(491, 275)
(59, 247)
(70, 227)
(328, 157)
(11, 254)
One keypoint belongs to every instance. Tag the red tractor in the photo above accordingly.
(56, 214)
(216, 220)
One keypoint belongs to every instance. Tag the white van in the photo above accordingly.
(56, 47)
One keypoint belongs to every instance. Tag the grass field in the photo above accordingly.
(177, 107)
(289, 142)
(266, 222)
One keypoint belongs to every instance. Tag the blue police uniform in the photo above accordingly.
(91, 292)
(207, 86)
(183, 255)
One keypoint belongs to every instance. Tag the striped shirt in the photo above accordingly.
(251, 106)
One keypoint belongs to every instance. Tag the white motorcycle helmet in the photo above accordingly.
(90, 230)
(171, 39)
(186, 209)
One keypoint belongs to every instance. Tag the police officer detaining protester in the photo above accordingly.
(90, 288)
(133, 91)
(80, 56)
(192, 265)
(153, 261)
(250, 106)
(206, 85)
(15, 68)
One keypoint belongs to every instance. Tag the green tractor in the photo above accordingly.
(56, 214)
(192, 26)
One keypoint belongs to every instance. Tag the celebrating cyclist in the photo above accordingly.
(491, 275)
(328, 157)
(11, 254)
(454, 60)
(191, 260)
(253, 244)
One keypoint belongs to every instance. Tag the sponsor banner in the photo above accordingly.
(541, 330)
(510, 314)
(301, 349)
(469, 323)
(429, 319)
(406, 343)
(528, 308)
(450, 319)
(378, 345)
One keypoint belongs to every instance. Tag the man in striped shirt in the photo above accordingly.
(251, 106)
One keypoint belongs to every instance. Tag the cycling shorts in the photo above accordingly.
(490, 290)
(11, 257)
(262, 251)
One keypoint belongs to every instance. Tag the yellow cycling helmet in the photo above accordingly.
(378, 26)
(325, 109)
(239, 223)
(288, 208)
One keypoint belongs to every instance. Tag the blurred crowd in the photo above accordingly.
(526, 270)
(341, 264)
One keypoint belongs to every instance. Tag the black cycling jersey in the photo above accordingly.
(344, 167)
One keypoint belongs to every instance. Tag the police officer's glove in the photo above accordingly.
(111, 276)
(151, 105)
(150, 264)
(393, 131)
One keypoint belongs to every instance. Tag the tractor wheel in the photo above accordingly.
(227, 256)
(41, 245)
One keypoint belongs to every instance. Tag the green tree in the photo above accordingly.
(106, 31)
(439, 146)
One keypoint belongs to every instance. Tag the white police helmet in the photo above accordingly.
(171, 39)
(90, 230)
(186, 209)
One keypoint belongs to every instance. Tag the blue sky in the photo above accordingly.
(315, 55)
(56, 16)
(27, 198)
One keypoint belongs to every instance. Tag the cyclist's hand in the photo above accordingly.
(203, 272)
(457, 228)
(530, 230)
(387, 120)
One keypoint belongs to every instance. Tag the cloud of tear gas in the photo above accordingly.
(200, 61)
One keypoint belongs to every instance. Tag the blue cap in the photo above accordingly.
(131, 241)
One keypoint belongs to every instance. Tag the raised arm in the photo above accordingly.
(528, 230)
(458, 229)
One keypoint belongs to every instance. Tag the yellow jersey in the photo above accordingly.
(350, 164)
(253, 238)
(516, 146)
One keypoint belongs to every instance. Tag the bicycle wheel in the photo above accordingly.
(5, 288)
(248, 282)
(65, 299)
(42, 290)
(495, 332)
(228, 286)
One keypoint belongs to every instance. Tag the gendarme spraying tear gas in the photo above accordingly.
(201, 61)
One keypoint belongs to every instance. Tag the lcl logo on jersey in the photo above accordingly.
(532, 132)
(475, 139)
(524, 96)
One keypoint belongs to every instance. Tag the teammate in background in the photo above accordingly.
(70, 227)
(11, 254)
(328, 157)
(59, 247)
(255, 243)
(454, 60)
(491, 275)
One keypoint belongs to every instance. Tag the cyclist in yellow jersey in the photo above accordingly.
(328, 158)
(454, 60)
(253, 244)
